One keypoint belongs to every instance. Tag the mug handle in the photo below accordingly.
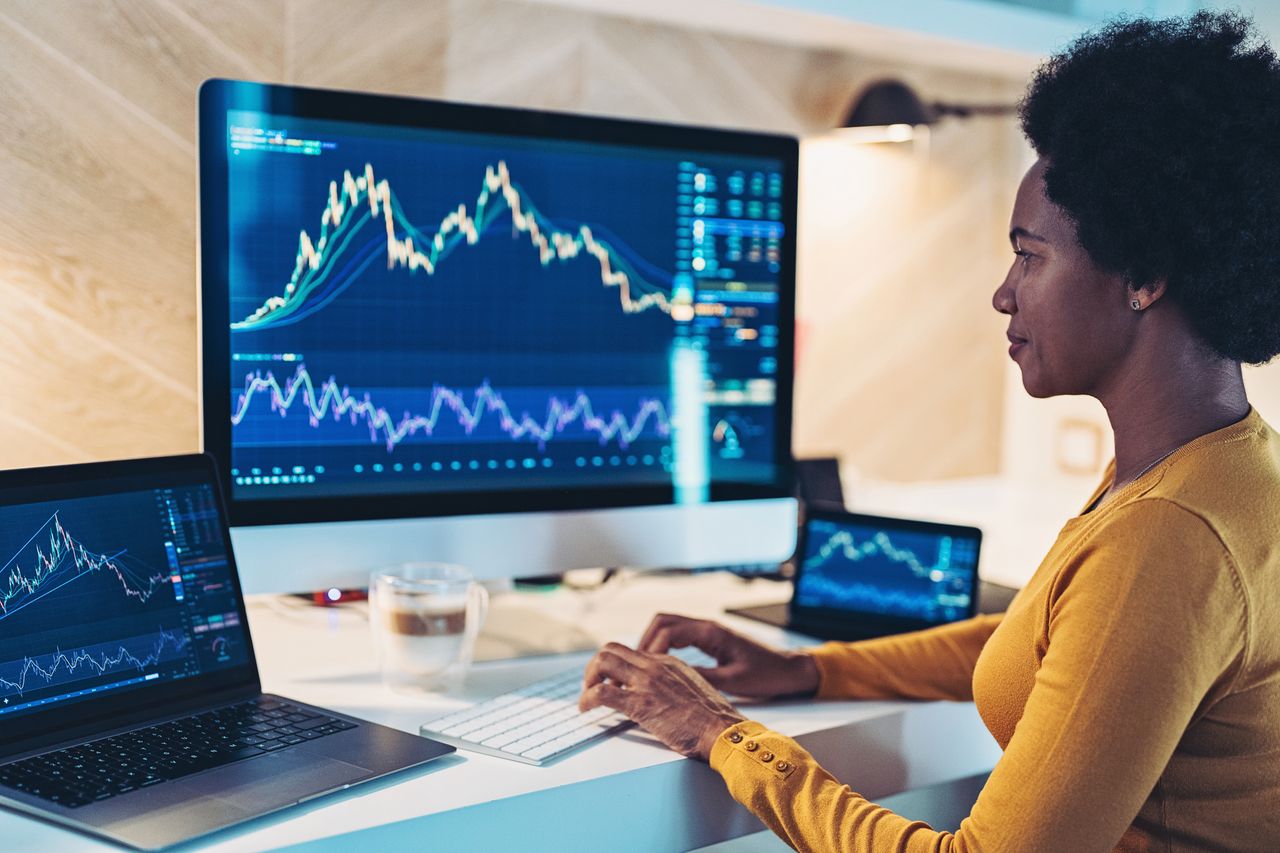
(478, 599)
(482, 597)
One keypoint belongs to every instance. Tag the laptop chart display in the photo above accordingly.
(891, 572)
(113, 593)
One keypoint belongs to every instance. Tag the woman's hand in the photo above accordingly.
(660, 693)
(743, 666)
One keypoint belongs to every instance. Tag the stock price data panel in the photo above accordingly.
(900, 573)
(110, 593)
(429, 310)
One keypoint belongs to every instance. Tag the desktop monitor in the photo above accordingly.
(520, 341)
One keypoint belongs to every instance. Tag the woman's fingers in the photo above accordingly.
(676, 632)
(658, 642)
(614, 662)
(660, 623)
(668, 631)
(606, 694)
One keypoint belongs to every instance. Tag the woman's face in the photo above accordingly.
(1069, 323)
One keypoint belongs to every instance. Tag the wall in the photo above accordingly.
(901, 354)
(98, 239)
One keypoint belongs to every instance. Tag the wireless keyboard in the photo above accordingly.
(539, 722)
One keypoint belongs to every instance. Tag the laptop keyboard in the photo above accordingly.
(101, 769)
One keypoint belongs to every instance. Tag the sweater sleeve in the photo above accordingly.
(1147, 625)
(933, 664)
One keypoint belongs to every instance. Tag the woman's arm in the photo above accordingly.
(1146, 625)
(933, 664)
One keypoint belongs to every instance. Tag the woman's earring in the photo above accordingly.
(1135, 305)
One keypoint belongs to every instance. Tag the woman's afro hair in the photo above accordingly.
(1162, 142)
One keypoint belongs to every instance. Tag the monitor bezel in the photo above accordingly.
(861, 623)
(114, 710)
(219, 96)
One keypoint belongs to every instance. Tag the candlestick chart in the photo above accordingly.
(52, 558)
(894, 572)
(320, 275)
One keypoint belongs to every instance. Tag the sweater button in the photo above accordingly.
(766, 757)
(751, 746)
(782, 766)
(736, 737)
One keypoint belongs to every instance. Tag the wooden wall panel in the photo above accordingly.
(97, 250)
(511, 53)
(396, 46)
(97, 247)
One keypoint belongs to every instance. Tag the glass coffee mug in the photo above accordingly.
(425, 618)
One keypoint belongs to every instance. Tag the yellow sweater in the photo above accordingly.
(1134, 684)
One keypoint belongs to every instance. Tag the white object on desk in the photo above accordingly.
(535, 724)
(627, 794)
(538, 723)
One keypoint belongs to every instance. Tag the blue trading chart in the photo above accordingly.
(106, 594)
(890, 572)
(422, 310)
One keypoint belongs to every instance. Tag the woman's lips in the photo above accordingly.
(1016, 344)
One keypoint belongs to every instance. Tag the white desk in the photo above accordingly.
(627, 793)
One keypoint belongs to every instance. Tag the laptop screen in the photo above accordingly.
(885, 568)
(113, 592)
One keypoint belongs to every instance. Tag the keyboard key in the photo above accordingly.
(244, 752)
(523, 745)
(540, 752)
(315, 722)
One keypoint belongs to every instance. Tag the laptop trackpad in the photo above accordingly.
(275, 780)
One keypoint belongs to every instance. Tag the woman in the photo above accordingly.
(1134, 684)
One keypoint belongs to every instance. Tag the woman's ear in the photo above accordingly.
(1142, 297)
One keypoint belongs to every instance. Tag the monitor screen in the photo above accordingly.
(441, 308)
(889, 568)
(112, 593)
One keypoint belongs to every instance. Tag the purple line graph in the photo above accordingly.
(62, 667)
(482, 412)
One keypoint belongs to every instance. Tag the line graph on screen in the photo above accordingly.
(869, 572)
(63, 667)
(843, 545)
(53, 558)
(358, 200)
(333, 403)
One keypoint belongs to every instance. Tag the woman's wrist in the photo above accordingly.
(807, 678)
(712, 731)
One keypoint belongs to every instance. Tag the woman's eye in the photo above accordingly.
(1021, 255)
